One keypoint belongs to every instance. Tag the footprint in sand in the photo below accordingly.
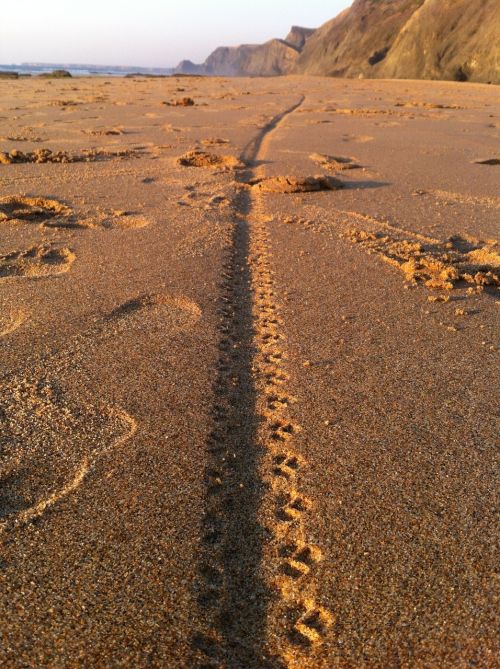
(49, 444)
(335, 163)
(35, 262)
(17, 208)
(56, 214)
(50, 441)
(127, 220)
(11, 321)
(169, 312)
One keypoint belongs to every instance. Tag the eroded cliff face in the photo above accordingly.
(357, 40)
(272, 58)
(409, 39)
(448, 39)
(298, 36)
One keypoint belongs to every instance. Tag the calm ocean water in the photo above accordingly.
(83, 70)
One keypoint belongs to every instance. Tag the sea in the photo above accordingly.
(77, 70)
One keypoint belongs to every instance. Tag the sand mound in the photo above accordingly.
(119, 130)
(204, 159)
(334, 163)
(487, 256)
(48, 156)
(426, 105)
(488, 161)
(21, 208)
(437, 266)
(38, 261)
(182, 102)
(212, 141)
(296, 184)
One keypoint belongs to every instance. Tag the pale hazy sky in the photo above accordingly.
(146, 32)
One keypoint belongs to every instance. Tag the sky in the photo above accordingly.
(157, 33)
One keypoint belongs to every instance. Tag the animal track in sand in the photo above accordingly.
(282, 430)
(299, 558)
(38, 261)
(213, 579)
(198, 199)
(291, 184)
(293, 559)
(439, 265)
(277, 403)
(286, 464)
(312, 624)
(49, 445)
(203, 159)
(290, 505)
(253, 471)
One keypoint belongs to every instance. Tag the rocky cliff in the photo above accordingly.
(354, 42)
(448, 39)
(405, 39)
(269, 59)
(409, 39)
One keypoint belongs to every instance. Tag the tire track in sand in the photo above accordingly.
(297, 624)
(256, 586)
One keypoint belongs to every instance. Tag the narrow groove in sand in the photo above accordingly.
(250, 454)
(296, 624)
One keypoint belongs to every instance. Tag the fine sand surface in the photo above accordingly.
(249, 373)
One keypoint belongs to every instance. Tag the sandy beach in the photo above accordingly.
(248, 373)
